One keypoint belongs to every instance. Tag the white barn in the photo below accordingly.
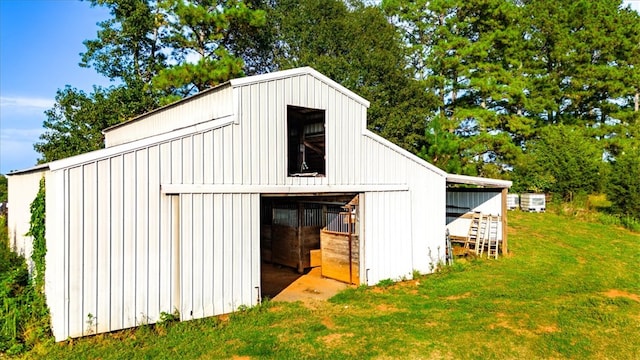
(171, 214)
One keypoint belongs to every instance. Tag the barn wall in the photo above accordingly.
(23, 189)
(354, 156)
(116, 237)
(125, 252)
(220, 256)
(203, 107)
(486, 201)
(422, 211)
(387, 241)
(262, 141)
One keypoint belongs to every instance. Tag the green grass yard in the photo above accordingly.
(569, 289)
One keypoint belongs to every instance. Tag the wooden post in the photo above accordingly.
(299, 233)
(504, 222)
(350, 245)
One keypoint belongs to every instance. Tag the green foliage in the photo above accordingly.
(128, 45)
(502, 70)
(37, 226)
(24, 316)
(477, 87)
(385, 283)
(628, 222)
(74, 125)
(4, 188)
(463, 53)
(563, 160)
(198, 29)
(356, 46)
(166, 317)
(623, 188)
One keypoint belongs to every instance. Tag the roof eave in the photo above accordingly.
(37, 168)
(478, 181)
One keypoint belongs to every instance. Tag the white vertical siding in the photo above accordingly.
(484, 201)
(90, 245)
(388, 244)
(199, 253)
(114, 242)
(55, 274)
(23, 189)
(103, 236)
(259, 151)
(384, 163)
(203, 107)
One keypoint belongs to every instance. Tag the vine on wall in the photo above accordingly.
(24, 316)
(37, 231)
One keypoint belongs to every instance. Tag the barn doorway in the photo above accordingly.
(290, 239)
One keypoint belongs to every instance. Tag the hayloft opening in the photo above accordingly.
(306, 141)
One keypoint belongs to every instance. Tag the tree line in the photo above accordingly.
(546, 94)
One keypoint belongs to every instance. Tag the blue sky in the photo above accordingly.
(40, 43)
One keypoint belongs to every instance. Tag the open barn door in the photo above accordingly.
(340, 244)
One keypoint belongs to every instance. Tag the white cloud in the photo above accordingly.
(25, 102)
(17, 135)
(19, 109)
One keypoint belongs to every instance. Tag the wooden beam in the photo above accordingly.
(505, 248)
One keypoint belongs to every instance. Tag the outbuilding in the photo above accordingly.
(185, 203)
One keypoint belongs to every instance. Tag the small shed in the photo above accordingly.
(184, 204)
(469, 196)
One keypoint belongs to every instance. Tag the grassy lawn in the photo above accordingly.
(569, 289)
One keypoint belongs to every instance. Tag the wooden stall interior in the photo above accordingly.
(298, 233)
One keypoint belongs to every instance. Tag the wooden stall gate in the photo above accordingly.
(340, 244)
(294, 233)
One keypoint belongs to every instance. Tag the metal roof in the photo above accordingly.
(37, 168)
(479, 181)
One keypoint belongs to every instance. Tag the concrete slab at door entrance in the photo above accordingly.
(311, 286)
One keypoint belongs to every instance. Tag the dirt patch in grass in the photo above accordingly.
(332, 339)
(506, 325)
(387, 308)
(614, 293)
(275, 309)
(458, 297)
(547, 329)
(408, 283)
(328, 322)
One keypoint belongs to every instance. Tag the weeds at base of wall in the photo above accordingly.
(24, 316)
